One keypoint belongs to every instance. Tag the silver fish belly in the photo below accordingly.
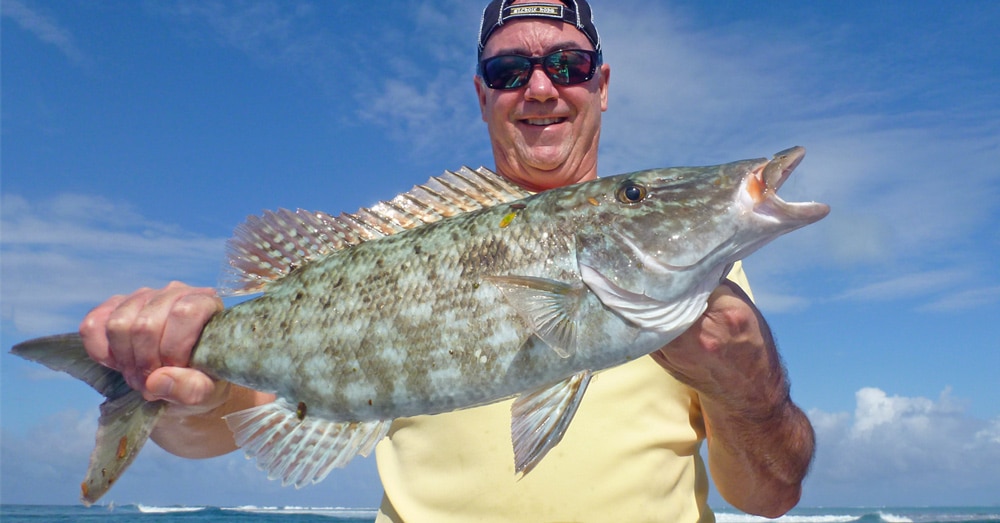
(462, 292)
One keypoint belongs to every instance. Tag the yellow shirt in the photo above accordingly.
(630, 454)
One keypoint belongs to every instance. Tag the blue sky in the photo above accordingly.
(137, 135)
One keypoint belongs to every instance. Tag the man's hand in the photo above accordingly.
(148, 337)
(760, 444)
(728, 355)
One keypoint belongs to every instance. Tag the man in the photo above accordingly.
(632, 451)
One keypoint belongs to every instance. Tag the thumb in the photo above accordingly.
(185, 386)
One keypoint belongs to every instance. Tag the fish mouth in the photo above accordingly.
(764, 182)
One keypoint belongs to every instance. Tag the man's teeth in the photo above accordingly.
(543, 121)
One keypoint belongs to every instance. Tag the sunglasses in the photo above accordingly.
(567, 67)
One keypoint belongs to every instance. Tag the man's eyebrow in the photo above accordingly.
(568, 44)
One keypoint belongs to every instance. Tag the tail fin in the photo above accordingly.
(126, 418)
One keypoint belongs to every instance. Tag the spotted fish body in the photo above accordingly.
(462, 292)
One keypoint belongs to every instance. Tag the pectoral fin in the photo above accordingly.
(643, 311)
(549, 307)
(297, 448)
(539, 419)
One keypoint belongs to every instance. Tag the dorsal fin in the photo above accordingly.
(266, 248)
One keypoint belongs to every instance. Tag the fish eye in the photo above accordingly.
(631, 192)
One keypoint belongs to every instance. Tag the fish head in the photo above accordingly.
(667, 229)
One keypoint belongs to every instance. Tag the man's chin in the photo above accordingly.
(543, 176)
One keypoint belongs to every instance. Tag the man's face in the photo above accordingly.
(544, 135)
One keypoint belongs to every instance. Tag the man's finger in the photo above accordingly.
(186, 319)
(93, 330)
(181, 386)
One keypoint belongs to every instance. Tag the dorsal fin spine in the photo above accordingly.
(470, 202)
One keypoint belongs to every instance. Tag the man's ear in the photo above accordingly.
(605, 80)
(481, 95)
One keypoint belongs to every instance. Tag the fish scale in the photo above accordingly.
(464, 291)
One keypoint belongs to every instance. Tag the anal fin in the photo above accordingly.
(299, 449)
(539, 419)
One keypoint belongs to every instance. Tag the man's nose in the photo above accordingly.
(540, 86)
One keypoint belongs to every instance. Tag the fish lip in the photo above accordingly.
(765, 180)
(776, 171)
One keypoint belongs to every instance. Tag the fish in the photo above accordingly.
(461, 292)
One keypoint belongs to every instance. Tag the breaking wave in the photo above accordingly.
(147, 509)
(342, 512)
(876, 517)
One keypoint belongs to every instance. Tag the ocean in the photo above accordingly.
(251, 514)
(148, 514)
(874, 515)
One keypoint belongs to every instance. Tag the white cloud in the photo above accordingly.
(264, 30)
(679, 95)
(904, 444)
(770, 302)
(46, 457)
(423, 114)
(390, 84)
(64, 255)
(274, 35)
(936, 290)
(421, 81)
(989, 435)
(908, 285)
(45, 29)
(965, 300)
(875, 409)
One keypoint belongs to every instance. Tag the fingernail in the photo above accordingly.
(163, 387)
(132, 383)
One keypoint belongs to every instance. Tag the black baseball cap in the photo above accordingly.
(574, 12)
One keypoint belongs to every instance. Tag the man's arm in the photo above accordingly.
(198, 431)
(148, 337)
(760, 444)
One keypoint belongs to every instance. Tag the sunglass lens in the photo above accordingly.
(569, 67)
(506, 72)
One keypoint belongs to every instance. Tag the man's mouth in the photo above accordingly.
(541, 122)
